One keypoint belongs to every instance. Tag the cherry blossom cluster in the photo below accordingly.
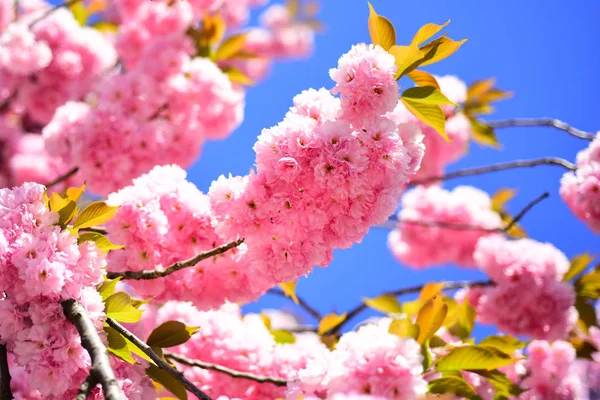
(40, 266)
(439, 152)
(581, 189)
(324, 175)
(244, 344)
(528, 296)
(418, 245)
(163, 219)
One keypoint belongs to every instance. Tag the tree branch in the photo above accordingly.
(162, 364)
(401, 292)
(5, 392)
(159, 273)
(497, 167)
(301, 302)
(50, 11)
(228, 371)
(525, 210)
(86, 388)
(62, 178)
(101, 370)
(548, 122)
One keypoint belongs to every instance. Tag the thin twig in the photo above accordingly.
(162, 364)
(548, 122)
(525, 210)
(401, 292)
(301, 302)
(85, 388)
(497, 167)
(159, 273)
(17, 9)
(50, 11)
(94, 229)
(62, 178)
(228, 371)
(101, 370)
(5, 392)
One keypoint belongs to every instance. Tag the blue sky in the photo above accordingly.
(545, 52)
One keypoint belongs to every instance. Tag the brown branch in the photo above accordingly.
(228, 371)
(497, 167)
(547, 122)
(5, 392)
(101, 370)
(62, 178)
(159, 273)
(162, 364)
(401, 292)
(50, 11)
(95, 229)
(301, 302)
(86, 387)
(525, 210)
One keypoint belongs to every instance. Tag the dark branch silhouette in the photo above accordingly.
(301, 302)
(62, 178)
(5, 392)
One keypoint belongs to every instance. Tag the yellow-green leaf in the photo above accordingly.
(381, 30)
(289, 289)
(439, 49)
(407, 58)
(587, 313)
(56, 202)
(423, 78)
(74, 193)
(236, 75)
(454, 385)
(165, 379)
(137, 303)
(96, 213)
(230, 47)
(578, 264)
(404, 328)
(386, 303)
(282, 336)
(80, 14)
(102, 242)
(117, 345)
(426, 32)
(266, 320)
(464, 321)
(429, 114)
(505, 388)
(426, 95)
(66, 214)
(501, 197)
(104, 26)
(430, 290)
(171, 333)
(107, 288)
(505, 343)
(483, 134)
(589, 284)
(330, 321)
(431, 317)
(479, 87)
(473, 357)
(118, 307)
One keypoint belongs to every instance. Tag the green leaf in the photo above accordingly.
(429, 114)
(407, 58)
(96, 213)
(473, 357)
(505, 388)
(404, 328)
(289, 289)
(387, 304)
(107, 288)
(587, 313)
(101, 241)
(79, 12)
(426, 32)
(330, 321)
(426, 355)
(455, 385)
(67, 213)
(439, 49)
(423, 78)
(118, 307)
(165, 379)
(431, 317)
(483, 134)
(437, 341)
(505, 343)
(117, 345)
(381, 30)
(464, 320)
(104, 26)
(578, 264)
(589, 284)
(171, 333)
(426, 95)
(137, 303)
(236, 75)
(230, 47)
(282, 337)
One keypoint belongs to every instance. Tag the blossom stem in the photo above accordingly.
(62, 178)
(86, 387)
(401, 292)
(497, 167)
(301, 302)
(101, 370)
(548, 122)
(50, 11)
(228, 371)
(162, 364)
(5, 392)
(160, 273)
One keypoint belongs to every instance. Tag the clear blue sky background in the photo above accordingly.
(544, 51)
